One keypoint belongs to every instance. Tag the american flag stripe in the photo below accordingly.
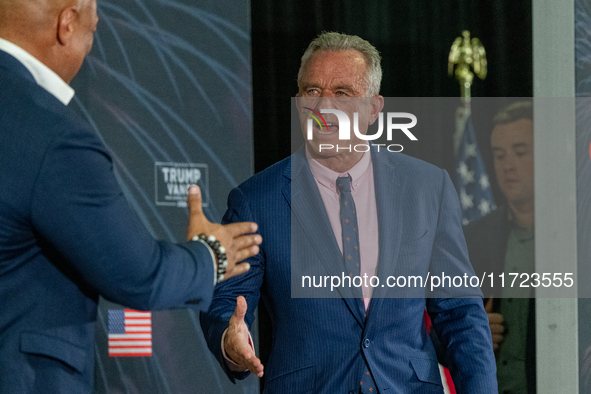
(133, 350)
(131, 314)
(139, 322)
(117, 337)
(130, 343)
(129, 328)
(130, 333)
(131, 354)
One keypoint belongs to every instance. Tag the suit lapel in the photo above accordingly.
(308, 210)
(389, 188)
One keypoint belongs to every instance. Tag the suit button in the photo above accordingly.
(366, 342)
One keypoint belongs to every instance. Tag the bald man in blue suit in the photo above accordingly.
(67, 234)
(336, 343)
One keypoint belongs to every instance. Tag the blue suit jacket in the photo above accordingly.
(67, 235)
(319, 344)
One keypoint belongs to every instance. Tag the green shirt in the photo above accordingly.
(511, 358)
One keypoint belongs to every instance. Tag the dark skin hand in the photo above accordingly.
(237, 238)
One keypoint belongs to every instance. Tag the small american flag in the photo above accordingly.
(130, 333)
(472, 182)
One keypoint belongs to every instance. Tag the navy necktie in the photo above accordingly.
(349, 228)
(352, 256)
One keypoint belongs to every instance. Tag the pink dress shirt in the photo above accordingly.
(364, 194)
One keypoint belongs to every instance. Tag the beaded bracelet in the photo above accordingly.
(218, 250)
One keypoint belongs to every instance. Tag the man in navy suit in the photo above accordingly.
(67, 235)
(408, 223)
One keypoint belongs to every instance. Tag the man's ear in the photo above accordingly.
(66, 25)
(376, 104)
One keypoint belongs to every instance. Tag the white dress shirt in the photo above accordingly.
(44, 76)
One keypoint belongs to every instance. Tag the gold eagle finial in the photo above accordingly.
(466, 55)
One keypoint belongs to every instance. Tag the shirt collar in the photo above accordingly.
(44, 76)
(328, 177)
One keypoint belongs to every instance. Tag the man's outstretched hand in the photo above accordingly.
(236, 341)
(237, 238)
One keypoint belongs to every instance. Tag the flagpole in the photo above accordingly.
(467, 58)
(465, 55)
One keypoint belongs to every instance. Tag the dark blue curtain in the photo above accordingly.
(414, 38)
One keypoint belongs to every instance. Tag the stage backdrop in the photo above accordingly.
(168, 87)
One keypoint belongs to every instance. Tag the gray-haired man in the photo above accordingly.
(408, 216)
